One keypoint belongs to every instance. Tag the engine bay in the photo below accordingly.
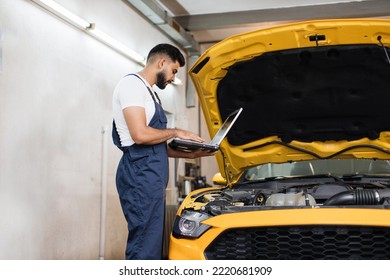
(296, 193)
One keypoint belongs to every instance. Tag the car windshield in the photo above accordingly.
(333, 167)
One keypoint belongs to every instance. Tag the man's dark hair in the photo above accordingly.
(171, 51)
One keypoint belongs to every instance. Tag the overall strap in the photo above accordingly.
(116, 138)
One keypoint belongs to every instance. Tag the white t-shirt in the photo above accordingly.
(131, 91)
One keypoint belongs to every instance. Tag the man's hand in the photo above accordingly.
(184, 134)
(202, 153)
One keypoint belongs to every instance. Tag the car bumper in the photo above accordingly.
(282, 232)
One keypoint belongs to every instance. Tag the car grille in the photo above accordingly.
(301, 242)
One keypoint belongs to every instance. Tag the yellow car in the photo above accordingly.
(305, 168)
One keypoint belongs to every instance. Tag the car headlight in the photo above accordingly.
(189, 225)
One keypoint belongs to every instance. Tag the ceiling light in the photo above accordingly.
(90, 28)
(111, 42)
(177, 81)
(63, 13)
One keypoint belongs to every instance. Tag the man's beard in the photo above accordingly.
(161, 81)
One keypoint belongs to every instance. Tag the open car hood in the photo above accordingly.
(309, 90)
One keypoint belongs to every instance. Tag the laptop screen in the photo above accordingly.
(227, 124)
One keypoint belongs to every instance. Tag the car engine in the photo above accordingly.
(292, 195)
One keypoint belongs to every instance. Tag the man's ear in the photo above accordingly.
(161, 62)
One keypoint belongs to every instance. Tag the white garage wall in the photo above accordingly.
(56, 84)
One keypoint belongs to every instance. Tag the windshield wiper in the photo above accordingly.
(266, 179)
(382, 181)
(277, 178)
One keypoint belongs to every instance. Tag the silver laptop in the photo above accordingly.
(189, 146)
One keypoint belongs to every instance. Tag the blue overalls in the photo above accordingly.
(141, 179)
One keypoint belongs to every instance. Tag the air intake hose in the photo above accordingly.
(359, 197)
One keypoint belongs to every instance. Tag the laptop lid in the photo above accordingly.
(188, 145)
(225, 127)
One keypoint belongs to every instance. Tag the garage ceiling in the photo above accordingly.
(197, 24)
